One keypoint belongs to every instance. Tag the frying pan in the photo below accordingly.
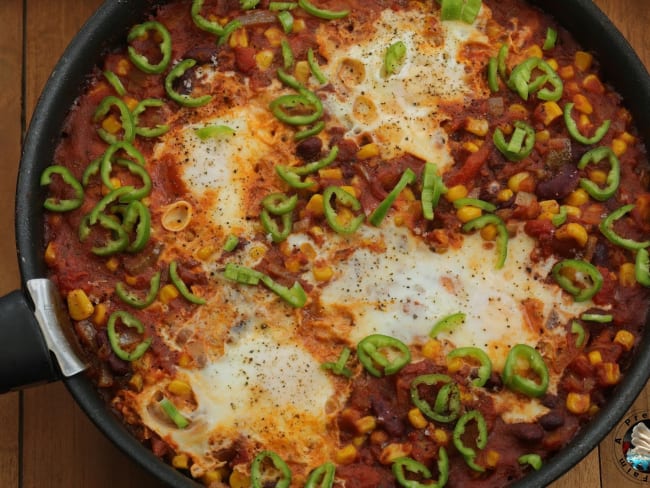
(34, 334)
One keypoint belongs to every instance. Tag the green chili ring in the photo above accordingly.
(311, 9)
(613, 176)
(475, 202)
(520, 80)
(125, 117)
(228, 29)
(607, 229)
(574, 132)
(369, 351)
(521, 144)
(182, 287)
(139, 60)
(64, 205)
(339, 367)
(280, 105)
(403, 464)
(316, 165)
(315, 68)
(242, 274)
(322, 476)
(136, 211)
(579, 330)
(102, 205)
(257, 480)
(114, 339)
(485, 365)
(378, 215)
(310, 131)
(516, 382)
(294, 296)
(133, 300)
(579, 294)
(106, 164)
(139, 109)
(452, 401)
(481, 439)
(172, 412)
(533, 460)
(502, 234)
(115, 82)
(292, 179)
(271, 227)
(447, 323)
(120, 241)
(203, 23)
(279, 203)
(346, 199)
(182, 99)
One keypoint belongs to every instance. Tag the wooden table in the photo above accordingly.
(45, 439)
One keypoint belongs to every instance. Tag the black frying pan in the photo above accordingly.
(33, 344)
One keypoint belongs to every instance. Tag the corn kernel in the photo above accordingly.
(518, 111)
(205, 252)
(550, 112)
(292, 264)
(542, 136)
(239, 480)
(573, 211)
(467, 213)
(136, 382)
(264, 59)
(454, 365)
(50, 254)
(394, 451)
(593, 84)
(583, 60)
(79, 305)
(168, 293)
(515, 181)
(619, 146)
(239, 38)
(302, 71)
(625, 338)
(553, 64)
(626, 275)
(299, 25)
(492, 458)
(407, 194)
(550, 206)
(573, 231)
(112, 264)
(578, 403)
(582, 104)
(358, 440)
(456, 192)
(416, 418)
(111, 124)
(274, 36)
(534, 51)
(123, 67)
(478, 127)
(181, 461)
(612, 373)
(331, 173)
(366, 424)
(257, 252)
(577, 197)
(440, 436)
(627, 138)
(595, 357)
(346, 455)
(212, 476)
(567, 72)
(505, 195)
(489, 232)
(131, 102)
(184, 360)
(368, 151)
(431, 349)
(315, 204)
(131, 280)
(179, 387)
(100, 315)
(352, 190)
(470, 146)
(323, 273)
(598, 176)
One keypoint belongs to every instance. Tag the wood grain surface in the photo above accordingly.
(45, 439)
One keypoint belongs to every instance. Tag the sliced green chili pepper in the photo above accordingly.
(501, 62)
(248, 4)
(279, 203)
(117, 244)
(383, 355)
(322, 476)
(534, 460)
(560, 218)
(475, 202)
(280, 106)
(135, 301)
(579, 330)
(139, 171)
(378, 215)
(102, 205)
(287, 54)
(275, 6)
(271, 226)
(586, 270)
(522, 384)
(607, 229)
(106, 164)
(91, 170)
(642, 267)
(139, 60)
(174, 415)
(113, 337)
(551, 39)
(126, 119)
(232, 241)
(394, 58)
(136, 211)
(214, 131)
(485, 365)
(139, 109)
(520, 80)
(65, 205)
(311, 9)
(432, 189)
(613, 177)
(521, 143)
(292, 179)
(242, 274)
(406, 464)
(600, 318)
(182, 99)
(310, 131)
(258, 480)
(481, 439)
(493, 74)
(447, 324)
(286, 21)
(182, 287)
(115, 82)
(294, 296)
(203, 23)
(463, 10)
(228, 29)
(316, 165)
(574, 132)
(331, 215)
(339, 367)
(502, 234)
(447, 404)
(315, 68)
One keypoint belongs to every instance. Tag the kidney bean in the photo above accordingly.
(552, 420)
(309, 149)
(560, 185)
(527, 432)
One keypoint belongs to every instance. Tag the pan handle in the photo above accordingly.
(33, 346)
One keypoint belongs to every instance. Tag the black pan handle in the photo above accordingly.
(35, 342)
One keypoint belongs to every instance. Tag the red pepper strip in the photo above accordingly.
(471, 167)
